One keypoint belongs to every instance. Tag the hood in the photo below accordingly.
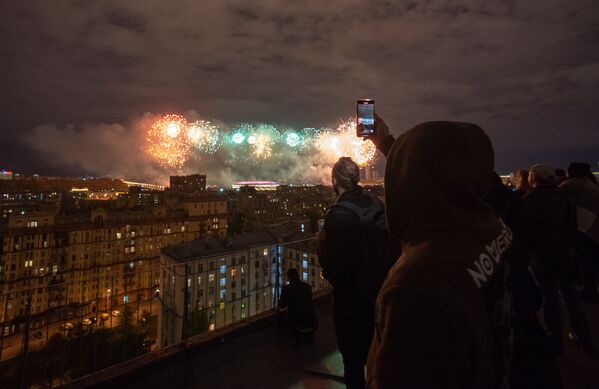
(436, 178)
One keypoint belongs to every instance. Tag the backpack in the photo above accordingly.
(379, 249)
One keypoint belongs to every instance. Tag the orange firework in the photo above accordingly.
(167, 140)
(343, 142)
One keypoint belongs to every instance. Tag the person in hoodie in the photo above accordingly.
(585, 192)
(442, 315)
(550, 224)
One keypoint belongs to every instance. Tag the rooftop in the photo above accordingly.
(262, 358)
(206, 247)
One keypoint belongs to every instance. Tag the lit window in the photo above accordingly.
(182, 228)
(199, 280)
(233, 272)
(223, 281)
(265, 251)
(223, 269)
(305, 276)
(305, 264)
(211, 327)
(133, 234)
(211, 277)
(119, 235)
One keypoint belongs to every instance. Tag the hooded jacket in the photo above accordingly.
(585, 194)
(442, 314)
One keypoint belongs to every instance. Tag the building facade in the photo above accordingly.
(55, 266)
(211, 283)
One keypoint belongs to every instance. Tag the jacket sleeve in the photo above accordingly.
(385, 145)
(417, 343)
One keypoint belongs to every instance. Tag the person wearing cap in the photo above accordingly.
(582, 188)
(550, 224)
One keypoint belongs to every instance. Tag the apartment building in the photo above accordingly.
(67, 265)
(223, 281)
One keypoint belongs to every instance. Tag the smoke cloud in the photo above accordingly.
(120, 150)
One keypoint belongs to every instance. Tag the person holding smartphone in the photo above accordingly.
(442, 315)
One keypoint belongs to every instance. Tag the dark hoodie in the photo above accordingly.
(433, 316)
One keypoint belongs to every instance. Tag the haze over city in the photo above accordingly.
(79, 78)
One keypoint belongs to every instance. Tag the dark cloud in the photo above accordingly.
(527, 71)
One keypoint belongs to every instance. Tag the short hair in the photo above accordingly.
(541, 174)
(346, 173)
(292, 274)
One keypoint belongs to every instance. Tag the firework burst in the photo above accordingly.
(343, 142)
(168, 142)
(204, 136)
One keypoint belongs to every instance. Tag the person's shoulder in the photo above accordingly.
(338, 214)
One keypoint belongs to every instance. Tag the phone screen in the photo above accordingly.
(365, 118)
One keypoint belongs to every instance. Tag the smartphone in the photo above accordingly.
(365, 118)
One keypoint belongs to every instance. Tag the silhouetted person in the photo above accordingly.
(581, 169)
(585, 193)
(533, 365)
(560, 176)
(522, 186)
(442, 315)
(353, 256)
(550, 225)
(296, 297)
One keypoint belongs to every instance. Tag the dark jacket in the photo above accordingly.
(585, 194)
(550, 219)
(433, 324)
(340, 257)
(296, 296)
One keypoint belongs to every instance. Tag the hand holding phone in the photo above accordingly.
(365, 118)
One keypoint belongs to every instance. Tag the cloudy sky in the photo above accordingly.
(79, 72)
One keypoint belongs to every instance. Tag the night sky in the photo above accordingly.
(74, 72)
